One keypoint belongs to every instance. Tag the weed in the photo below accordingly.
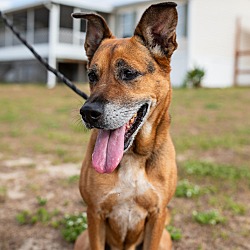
(210, 217)
(43, 215)
(40, 215)
(73, 225)
(41, 201)
(236, 208)
(26, 217)
(187, 189)
(23, 217)
(73, 179)
(174, 232)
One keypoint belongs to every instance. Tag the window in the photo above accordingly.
(41, 18)
(66, 21)
(20, 22)
(126, 24)
(41, 33)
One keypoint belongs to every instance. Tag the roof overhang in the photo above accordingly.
(11, 6)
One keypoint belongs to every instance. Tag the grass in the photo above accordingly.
(41, 201)
(174, 232)
(73, 225)
(221, 171)
(70, 225)
(187, 189)
(212, 217)
(42, 215)
(236, 208)
(46, 121)
(210, 129)
(216, 117)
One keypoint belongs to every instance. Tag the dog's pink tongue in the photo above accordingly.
(108, 150)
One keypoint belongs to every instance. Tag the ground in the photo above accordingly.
(43, 142)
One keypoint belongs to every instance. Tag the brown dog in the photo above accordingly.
(129, 172)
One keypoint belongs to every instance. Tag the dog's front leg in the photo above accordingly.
(154, 229)
(96, 229)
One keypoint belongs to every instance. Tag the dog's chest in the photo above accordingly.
(134, 197)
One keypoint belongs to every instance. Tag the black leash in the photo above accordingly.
(41, 60)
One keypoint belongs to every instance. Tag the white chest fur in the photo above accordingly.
(132, 183)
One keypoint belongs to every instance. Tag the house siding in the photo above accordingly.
(212, 26)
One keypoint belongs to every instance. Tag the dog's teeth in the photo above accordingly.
(131, 121)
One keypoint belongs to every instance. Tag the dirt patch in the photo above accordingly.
(27, 179)
(24, 180)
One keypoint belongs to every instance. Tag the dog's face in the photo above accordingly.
(128, 79)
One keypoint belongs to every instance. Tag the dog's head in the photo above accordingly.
(129, 79)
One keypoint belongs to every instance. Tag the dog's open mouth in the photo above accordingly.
(134, 124)
(111, 144)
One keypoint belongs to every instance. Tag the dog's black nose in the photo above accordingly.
(91, 113)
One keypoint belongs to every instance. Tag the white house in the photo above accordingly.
(206, 35)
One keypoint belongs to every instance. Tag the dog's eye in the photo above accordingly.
(128, 74)
(93, 77)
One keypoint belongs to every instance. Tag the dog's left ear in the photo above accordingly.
(157, 28)
(97, 31)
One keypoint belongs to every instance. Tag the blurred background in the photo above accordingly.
(42, 139)
(213, 35)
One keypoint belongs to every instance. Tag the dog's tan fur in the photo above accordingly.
(127, 207)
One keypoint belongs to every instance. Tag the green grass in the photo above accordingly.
(208, 119)
(41, 201)
(41, 215)
(70, 225)
(205, 142)
(236, 208)
(46, 121)
(73, 225)
(212, 217)
(220, 171)
(73, 179)
(174, 232)
(187, 189)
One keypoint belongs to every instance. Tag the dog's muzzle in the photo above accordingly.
(118, 126)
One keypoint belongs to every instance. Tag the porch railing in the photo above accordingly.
(66, 36)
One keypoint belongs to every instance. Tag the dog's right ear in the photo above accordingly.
(97, 31)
